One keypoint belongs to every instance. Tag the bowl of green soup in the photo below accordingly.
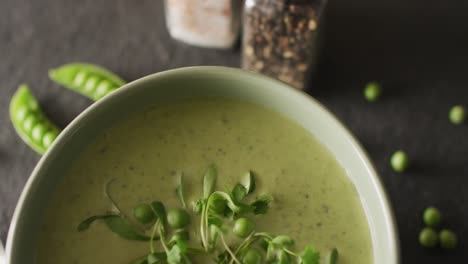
(204, 165)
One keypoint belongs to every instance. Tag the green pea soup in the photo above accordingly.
(314, 201)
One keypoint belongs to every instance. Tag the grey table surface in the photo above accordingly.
(417, 49)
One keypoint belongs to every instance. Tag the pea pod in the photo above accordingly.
(87, 79)
(30, 122)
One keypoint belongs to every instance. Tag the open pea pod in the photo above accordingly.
(30, 122)
(89, 80)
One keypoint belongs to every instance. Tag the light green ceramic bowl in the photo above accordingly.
(203, 82)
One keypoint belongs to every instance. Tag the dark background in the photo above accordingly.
(417, 49)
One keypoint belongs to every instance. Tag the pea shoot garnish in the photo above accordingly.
(180, 189)
(227, 232)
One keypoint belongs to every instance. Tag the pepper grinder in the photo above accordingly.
(280, 38)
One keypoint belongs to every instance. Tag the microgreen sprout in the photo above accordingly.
(227, 230)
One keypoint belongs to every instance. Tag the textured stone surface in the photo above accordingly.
(417, 49)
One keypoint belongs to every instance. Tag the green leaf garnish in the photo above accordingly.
(176, 254)
(141, 260)
(310, 256)
(249, 182)
(198, 206)
(85, 224)
(217, 210)
(262, 204)
(229, 201)
(213, 235)
(156, 257)
(160, 212)
(180, 189)
(215, 220)
(283, 241)
(333, 258)
(282, 258)
(180, 234)
(116, 224)
(123, 228)
(182, 245)
(239, 192)
(218, 205)
(223, 257)
(209, 181)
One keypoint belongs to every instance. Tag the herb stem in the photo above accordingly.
(247, 241)
(162, 239)
(120, 212)
(227, 248)
(202, 228)
(180, 189)
(153, 234)
(263, 235)
(109, 196)
(195, 251)
(290, 252)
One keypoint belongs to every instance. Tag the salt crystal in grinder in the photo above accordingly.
(205, 23)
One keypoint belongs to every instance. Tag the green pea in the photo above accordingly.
(178, 218)
(143, 213)
(243, 227)
(372, 91)
(448, 239)
(90, 84)
(22, 114)
(428, 237)
(252, 256)
(79, 80)
(87, 79)
(432, 217)
(457, 114)
(399, 161)
(103, 88)
(38, 132)
(30, 122)
(49, 138)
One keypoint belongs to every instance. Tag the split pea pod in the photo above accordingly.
(30, 122)
(87, 79)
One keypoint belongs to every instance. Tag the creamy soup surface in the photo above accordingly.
(314, 202)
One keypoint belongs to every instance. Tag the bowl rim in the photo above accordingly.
(213, 70)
